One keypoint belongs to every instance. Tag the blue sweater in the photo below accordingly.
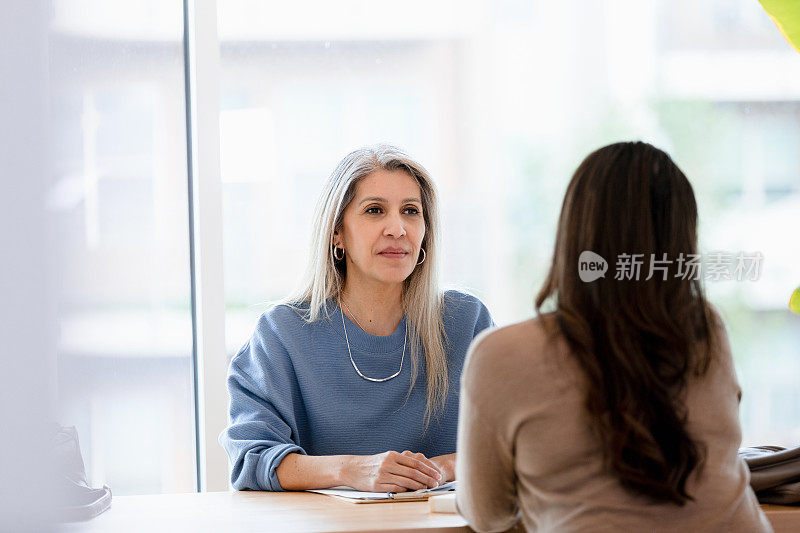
(293, 390)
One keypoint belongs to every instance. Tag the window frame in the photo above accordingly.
(209, 361)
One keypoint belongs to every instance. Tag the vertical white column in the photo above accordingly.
(207, 229)
(28, 267)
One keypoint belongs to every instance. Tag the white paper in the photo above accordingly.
(347, 492)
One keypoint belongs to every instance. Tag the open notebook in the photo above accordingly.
(357, 496)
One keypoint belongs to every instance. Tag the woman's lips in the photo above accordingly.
(393, 254)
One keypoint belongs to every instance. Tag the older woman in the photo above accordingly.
(354, 380)
(617, 410)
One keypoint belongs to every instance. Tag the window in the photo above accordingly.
(120, 216)
(501, 101)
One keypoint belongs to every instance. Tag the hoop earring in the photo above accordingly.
(335, 255)
(424, 256)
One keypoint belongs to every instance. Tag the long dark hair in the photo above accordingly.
(636, 340)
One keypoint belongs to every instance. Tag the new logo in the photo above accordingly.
(591, 266)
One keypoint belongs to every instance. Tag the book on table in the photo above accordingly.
(356, 496)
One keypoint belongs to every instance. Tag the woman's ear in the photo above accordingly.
(337, 239)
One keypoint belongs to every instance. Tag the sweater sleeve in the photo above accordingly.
(464, 308)
(265, 403)
(484, 320)
(486, 494)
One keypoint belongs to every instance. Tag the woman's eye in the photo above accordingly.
(373, 210)
(411, 211)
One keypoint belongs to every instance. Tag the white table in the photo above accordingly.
(295, 512)
(263, 511)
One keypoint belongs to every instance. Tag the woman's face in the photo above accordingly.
(382, 228)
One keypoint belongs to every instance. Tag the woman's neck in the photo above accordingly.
(376, 308)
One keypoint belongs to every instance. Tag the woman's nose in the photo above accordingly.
(394, 227)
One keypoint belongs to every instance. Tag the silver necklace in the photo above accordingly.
(350, 311)
(347, 340)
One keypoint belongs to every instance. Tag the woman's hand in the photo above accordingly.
(392, 472)
(447, 465)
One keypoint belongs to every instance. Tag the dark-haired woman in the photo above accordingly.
(617, 410)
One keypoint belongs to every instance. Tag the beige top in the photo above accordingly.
(526, 451)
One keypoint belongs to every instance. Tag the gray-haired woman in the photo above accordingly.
(353, 380)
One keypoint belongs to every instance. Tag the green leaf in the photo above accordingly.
(786, 16)
(794, 301)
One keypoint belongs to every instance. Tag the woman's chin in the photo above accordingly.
(394, 276)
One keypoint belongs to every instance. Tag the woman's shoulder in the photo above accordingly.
(465, 313)
(531, 349)
(279, 328)
(459, 302)
(289, 310)
(527, 337)
(290, 315)
(518, 364)
(457, 298)
(282, 315)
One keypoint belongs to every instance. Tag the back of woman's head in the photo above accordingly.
(639, 331)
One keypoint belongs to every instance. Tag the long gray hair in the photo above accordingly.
(422, 298)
